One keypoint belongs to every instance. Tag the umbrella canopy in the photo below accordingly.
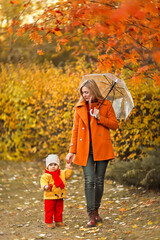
(114, 90)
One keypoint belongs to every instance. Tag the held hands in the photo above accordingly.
(68, 165)
(69, 158)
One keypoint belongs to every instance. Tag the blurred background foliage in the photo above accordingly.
(18, 48)
(38, 94)
(37, 106)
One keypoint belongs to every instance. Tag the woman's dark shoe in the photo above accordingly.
(91, 222)
(97, 217)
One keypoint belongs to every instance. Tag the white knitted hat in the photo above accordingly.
(52, 158)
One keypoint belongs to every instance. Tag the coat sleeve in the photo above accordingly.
(109, 121)
(44, 180)
(73, 144)
(68, 173)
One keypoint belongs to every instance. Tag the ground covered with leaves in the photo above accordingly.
(128, 213)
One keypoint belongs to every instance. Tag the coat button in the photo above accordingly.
(83, 128)
(80, 139)
(99, 134)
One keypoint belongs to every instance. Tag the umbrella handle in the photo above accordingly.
(93, 115)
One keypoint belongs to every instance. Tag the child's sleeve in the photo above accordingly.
(44, 180)
(68, 173)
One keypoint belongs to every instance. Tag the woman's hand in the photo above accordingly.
(96, 113)
(69, 157)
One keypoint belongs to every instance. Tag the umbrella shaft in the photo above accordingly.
(107, 94)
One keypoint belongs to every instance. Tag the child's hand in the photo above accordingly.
(68, 165)
(47, 187)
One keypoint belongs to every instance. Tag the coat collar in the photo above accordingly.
(83, 103)
(79, 104)
(81, 109)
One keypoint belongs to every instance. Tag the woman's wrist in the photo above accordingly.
(97, 117)
(69, 157)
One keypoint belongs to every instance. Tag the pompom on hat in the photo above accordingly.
(52, 158)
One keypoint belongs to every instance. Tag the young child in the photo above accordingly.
(53, 184)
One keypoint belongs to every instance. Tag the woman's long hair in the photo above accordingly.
(94, 90)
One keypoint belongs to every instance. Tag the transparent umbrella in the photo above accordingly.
(114, 90)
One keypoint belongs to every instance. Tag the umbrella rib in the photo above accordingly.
(118, 90)
(108, 80)
(115, 85)
(106, 89)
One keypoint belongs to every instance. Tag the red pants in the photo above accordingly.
(53, 208)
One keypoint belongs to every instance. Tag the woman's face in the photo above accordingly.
(86, 93)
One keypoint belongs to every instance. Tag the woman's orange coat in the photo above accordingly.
(101, 140)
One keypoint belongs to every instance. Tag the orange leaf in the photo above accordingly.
(122, 210)
(156, 55)
(58, 47)
(128, 232)
(119, 14)
(14, 2)
(10, 30)
(58, 33)
(76, 23)
(49, 38)
(40, 52)
(63, 41)
(20, 31)
(156, 77)
(143, 69)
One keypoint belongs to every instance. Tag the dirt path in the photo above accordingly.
(128, 213)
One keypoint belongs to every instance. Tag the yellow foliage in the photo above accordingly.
(36, 110)
(37, 107)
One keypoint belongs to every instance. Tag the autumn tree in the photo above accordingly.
(9, 23)
(119, 34)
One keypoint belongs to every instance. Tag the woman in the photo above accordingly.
(91, 145)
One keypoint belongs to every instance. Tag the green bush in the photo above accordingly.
(143, 172)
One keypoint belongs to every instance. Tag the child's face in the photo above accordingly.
(53, 167)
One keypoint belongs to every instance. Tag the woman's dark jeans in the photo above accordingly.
(94, 174)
